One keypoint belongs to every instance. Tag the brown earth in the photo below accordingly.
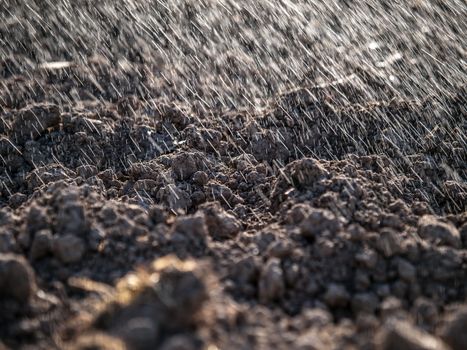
(233, 175)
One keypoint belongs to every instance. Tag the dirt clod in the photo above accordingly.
(446, 234)
(41, 244)
(220, 223)
(403, 336)
(271, 281)
(336, 296)
(17, 279)
(68, 249)
(318, 222)
(453, 330)
(33, 121)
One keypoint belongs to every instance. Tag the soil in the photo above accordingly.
(233, 175)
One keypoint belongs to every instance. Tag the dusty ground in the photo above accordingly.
(233, 175)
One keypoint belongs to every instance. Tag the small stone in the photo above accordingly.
(401, 335)
(69, 248)
(454, 330)
(336, 295)
(16, 277)
(429, 227)
(271, 281)
(41, 244)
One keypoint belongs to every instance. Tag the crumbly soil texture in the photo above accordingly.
(233, 174)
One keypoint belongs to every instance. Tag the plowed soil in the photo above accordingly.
(233, 175)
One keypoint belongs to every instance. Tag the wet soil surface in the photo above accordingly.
(230, 175)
